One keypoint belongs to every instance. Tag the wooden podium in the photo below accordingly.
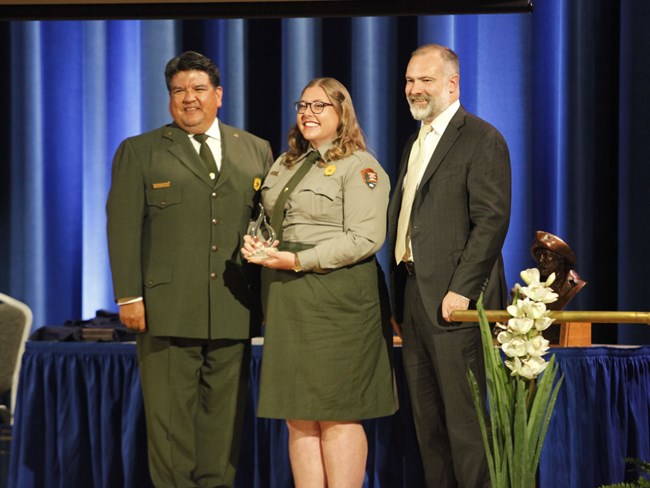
(568, 334)
(574, 334)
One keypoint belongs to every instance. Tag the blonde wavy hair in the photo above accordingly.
(349, 136)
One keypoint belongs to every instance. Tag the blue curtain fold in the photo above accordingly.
(224, 43)
(80, 423)
(633, 177)
(301, 62)
(602, 416)
(564, 84)
(68, 441)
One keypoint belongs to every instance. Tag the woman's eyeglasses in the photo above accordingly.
(315, 107)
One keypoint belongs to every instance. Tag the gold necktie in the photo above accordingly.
(415, 163)
(206, 154)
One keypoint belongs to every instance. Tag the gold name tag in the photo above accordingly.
(164, 184)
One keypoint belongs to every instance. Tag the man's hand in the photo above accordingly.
(132, 315)
(452, 302)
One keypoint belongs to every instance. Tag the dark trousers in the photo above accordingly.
(194, 396)
(436, 362)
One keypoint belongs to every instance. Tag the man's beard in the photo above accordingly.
(435, 106)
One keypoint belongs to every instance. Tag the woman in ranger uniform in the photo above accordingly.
(327, 347)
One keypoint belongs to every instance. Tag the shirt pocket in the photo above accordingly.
(322, 200)
(268, 196)
(164, 197)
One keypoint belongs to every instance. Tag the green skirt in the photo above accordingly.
(327, 352)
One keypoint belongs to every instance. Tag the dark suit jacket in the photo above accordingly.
(459, 218)
(174, 234)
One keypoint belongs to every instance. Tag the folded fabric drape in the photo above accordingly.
(80, 422)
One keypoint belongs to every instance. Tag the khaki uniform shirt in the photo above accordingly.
(339, 207)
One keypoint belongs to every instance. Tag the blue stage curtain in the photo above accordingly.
(633, 169)
(602, 416)
(85, 419)
(564, 84)
(80, 423)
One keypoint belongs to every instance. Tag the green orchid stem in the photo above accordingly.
(531, 394)
(516, 417)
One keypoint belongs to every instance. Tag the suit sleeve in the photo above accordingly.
(489, 193)
(125, 210)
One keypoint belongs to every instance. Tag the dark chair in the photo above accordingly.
(15, 325)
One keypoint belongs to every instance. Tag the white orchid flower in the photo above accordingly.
(534, 366)
(516, 309)
(550, 280)
(515, 347)
(529, 368)
(522, 340)
(504, 337)
(533, 310)
(543, 323)
(530, 276)
(520, 326)
(537, 346)
(539, 293)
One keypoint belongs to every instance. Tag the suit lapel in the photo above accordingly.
(405, 162)
(447, 140)
(182, 149)
(229, 148)
(396, 200)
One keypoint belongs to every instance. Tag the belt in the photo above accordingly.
(410, 267)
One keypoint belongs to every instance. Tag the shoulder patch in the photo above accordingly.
(370, 177)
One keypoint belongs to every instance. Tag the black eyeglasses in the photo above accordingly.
(315, 107)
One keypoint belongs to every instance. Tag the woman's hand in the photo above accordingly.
(257, 252)
(275, 260)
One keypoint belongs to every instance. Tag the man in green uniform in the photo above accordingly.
(180, 201)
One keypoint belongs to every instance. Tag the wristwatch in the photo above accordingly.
(296, 263)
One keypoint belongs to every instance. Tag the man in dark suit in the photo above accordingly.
(448, 218)
(180, 202)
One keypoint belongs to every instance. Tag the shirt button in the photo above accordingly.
(163, 203)
(215, 221)
(213, 248)
(214, 194)
(213, 276)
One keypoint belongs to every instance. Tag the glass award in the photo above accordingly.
(262, 230)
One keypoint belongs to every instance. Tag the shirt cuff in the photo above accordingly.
(128, 300)
(308, 259)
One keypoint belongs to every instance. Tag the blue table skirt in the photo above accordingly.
(80, 423)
